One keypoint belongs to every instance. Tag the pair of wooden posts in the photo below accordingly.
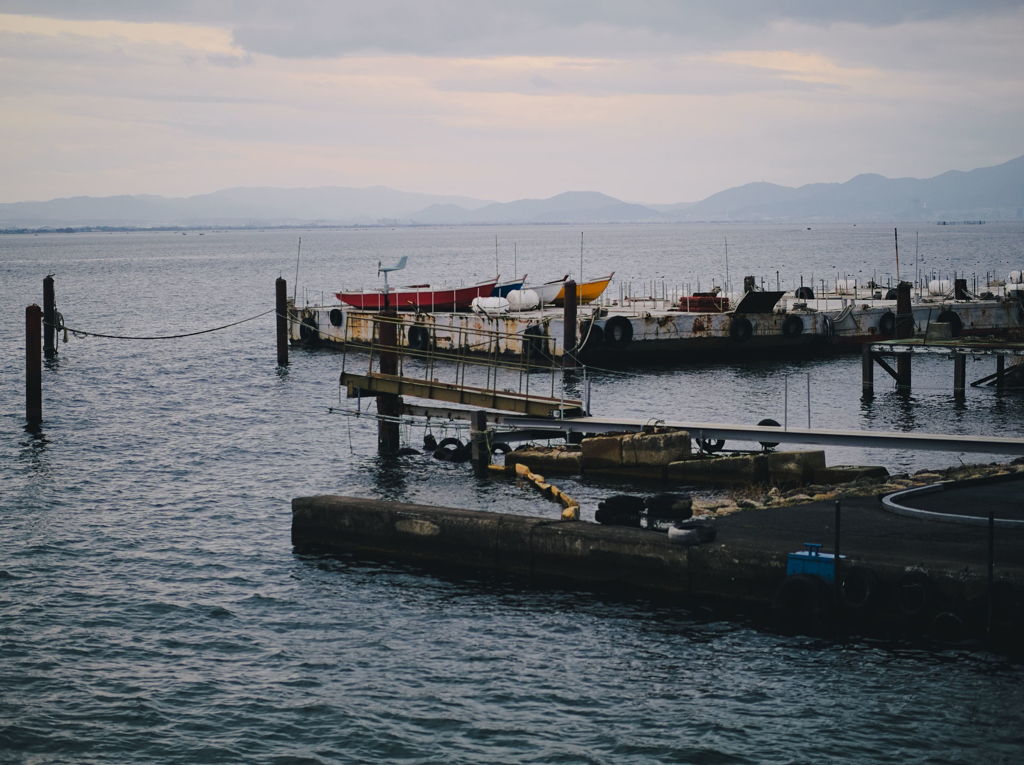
(40, 339)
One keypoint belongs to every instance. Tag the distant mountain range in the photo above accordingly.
(989, 193)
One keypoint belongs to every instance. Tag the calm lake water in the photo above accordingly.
(152, 608)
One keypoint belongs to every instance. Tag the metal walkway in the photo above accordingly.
(753, 433)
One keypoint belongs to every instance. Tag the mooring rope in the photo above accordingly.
(86, 333)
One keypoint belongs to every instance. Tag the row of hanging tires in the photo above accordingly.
(452, 449)
(909, 607)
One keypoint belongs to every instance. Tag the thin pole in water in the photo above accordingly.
(295, 287)
(726, 265)
(581, 257)
(896, 238)
(808, 400)
(785, 402)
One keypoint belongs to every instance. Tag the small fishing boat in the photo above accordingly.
(587, 292)
(549, 291)
(421, 297)
(501, 289)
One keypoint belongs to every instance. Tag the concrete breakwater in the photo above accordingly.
(898, 577)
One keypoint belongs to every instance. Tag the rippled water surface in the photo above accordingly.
(152, 608)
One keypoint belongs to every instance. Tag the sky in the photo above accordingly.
(651, 101)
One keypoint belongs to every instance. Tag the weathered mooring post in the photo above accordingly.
(904, 329)
(959, 376)
(281, 307)
(33, 367)
(867, 372)
(389, 405)
(569, 322)
(479, 452)
(49, 318)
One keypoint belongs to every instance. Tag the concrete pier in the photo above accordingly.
(901, 576)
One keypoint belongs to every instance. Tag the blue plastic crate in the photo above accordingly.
(812, 561)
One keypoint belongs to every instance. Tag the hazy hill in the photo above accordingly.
(231, 207)
(989, 193)
(568, 207)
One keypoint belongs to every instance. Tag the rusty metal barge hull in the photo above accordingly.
(606, 335)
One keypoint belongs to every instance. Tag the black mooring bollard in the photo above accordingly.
(281, 303)
(33, 367)
(49, 318)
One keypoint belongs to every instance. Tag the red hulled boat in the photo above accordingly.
(421, 297)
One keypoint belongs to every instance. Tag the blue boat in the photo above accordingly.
(503, 288)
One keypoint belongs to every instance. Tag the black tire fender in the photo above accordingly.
(804, 293)
(768, 421)
(887, 323)
(740, 329)
(792, 326)
(858, 587)
(618, 332)
(309, 330)
(710, 445)
(956, 324)
(418, 338)
(337, 317)
(914, 593)
(448, 450)
(535, 341)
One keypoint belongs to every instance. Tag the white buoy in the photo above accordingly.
(489, 305)
(523, 300)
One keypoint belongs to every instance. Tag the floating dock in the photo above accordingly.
(651, 329)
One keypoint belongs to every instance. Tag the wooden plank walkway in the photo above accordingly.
(507, 401)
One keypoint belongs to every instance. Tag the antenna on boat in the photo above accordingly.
(896, 238)
(581, 257)
(388, 269)
(726, 265)
(295, 288)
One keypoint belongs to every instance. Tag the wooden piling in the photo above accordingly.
(569, 321)
(904, 329)
(867, 372)
(49, 318)
(389, 406)
(959, 375)
(33, 367)
(480, 453)
(1000, 370)
(281, 303)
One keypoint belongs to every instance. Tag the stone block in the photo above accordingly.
(740, 469)
(793, 468)
(602, 452)
(847, 473)
(544, 459)
(655, 448)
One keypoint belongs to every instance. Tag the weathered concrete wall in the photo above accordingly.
(519, 544)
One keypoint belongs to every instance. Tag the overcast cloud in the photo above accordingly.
(651, 100)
